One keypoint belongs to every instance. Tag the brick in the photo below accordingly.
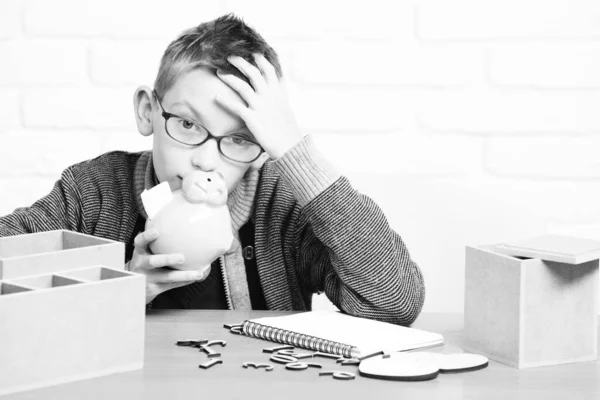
(544, 157)
(362, 110)
(43, 62)
(558, 201)
(136, 62)
(99, 108)
(510, 19)
(387, 63)
(126, 62)
(408, 154)
(22, 191)
(546, 65)
(10, 112)
(114, 18)
(10, 18)
(511, 112)
(312, 19)
(49, 152)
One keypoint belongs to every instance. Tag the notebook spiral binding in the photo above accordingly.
(296, 339)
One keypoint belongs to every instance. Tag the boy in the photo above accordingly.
(300, 227)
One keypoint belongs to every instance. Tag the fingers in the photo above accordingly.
(143, 239)
(165, 260)
(266, 68)
(163, 287)
(253, 74)
(236, 108)
(242, 88)
(175, 276)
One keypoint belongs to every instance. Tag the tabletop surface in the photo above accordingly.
(171, 372)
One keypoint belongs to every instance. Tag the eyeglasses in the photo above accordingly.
(234, 147)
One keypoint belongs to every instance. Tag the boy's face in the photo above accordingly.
(192, 97)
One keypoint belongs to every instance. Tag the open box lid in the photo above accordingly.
(559, 248)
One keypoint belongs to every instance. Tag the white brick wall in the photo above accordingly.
(494, 98)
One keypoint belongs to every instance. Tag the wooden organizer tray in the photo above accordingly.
(68, 310)
(52, 251)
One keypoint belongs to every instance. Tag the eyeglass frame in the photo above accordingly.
(166, 115)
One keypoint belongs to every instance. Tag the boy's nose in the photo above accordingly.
(206, 156)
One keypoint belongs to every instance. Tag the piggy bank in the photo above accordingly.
(195, 222)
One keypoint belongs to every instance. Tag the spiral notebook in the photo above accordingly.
(338, 333)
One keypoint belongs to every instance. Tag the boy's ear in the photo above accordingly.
(142, 108)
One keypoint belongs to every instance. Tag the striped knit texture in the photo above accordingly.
(339, 243)
(307, 171)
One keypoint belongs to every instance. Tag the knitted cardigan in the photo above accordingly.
(338, 242)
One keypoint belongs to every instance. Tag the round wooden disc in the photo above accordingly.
(400, 367)
(462, 362)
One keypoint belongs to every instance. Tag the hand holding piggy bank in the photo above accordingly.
(195, 222)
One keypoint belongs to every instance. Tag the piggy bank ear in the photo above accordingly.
(218, 195)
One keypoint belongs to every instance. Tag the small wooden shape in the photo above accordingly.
(277, 348)
(56, 251)
(288, 352)
(283, 359)
(341, 375)
(210, 363)
(231, 326)
(350, 361)
(298, 366)
(209, 351)
(267, 367)
(452, 363)
(191, 343)
(221, 343)
(78, 324)
(530, 312)
(236, 330)
(326, 355)
(399, 367)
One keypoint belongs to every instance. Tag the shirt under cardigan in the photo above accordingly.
(333, 240)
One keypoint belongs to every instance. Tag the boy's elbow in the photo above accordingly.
(407, 305)
(401, 309)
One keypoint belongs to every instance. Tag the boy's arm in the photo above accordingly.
(60, 209)
(348, 250)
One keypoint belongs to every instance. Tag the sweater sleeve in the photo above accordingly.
(60, 209)
(347, 248)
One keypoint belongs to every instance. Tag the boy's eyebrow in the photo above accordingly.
(198, 115)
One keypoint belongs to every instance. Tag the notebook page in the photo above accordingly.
(367, 335)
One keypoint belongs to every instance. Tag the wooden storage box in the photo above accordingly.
(53, 251)
(528, 312)
(70, 325)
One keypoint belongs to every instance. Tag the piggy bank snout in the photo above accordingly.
(200, 232)
(208, 187)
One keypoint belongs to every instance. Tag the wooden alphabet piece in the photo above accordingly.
(341, 375)
(267, 367)
(210, 363)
